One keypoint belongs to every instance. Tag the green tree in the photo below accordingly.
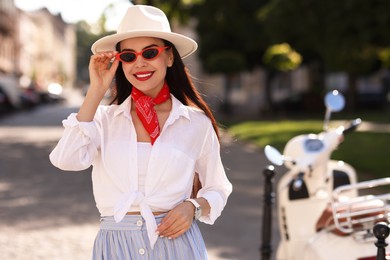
(343, 35)
(384, 56)
(231, 38)
(87, 34)
(278, 58)
(85, 38)
(175, 10)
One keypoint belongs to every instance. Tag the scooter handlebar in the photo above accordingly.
(353, 125)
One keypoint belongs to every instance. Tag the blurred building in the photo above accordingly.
(36, 49)
(47, 49)
(8, 29)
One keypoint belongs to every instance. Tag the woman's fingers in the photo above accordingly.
(102, 67)
(177, 221)
(176, 228)
(102, 60)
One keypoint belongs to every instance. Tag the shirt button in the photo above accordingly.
(141, 251)
(139, 223)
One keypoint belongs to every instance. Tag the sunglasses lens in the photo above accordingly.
(150, 53)
(127, 57)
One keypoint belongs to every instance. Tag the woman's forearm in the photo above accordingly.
(89, 106)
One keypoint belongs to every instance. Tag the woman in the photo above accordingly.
(147, 147)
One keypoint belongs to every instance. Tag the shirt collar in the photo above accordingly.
(124, 108)
(178, 108)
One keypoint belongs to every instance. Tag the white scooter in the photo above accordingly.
(323, 212)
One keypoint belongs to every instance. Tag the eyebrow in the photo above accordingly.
(149, 46)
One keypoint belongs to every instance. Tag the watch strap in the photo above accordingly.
(194, 202)
(198, 210)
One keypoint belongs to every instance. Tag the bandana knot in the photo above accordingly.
(145, 109)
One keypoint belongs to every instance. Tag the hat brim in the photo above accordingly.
(184, 45)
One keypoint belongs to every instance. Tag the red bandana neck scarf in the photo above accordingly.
(145, 109)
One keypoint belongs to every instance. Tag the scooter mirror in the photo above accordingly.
(334, 101)
(273, 155)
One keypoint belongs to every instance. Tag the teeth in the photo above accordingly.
(143, 75)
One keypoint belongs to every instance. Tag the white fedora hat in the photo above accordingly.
(145, 21)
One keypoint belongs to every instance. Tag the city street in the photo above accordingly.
(51, 53)
(50, 214)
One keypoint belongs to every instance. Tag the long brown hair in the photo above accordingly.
(179, 82)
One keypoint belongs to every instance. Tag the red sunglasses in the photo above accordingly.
(148, 54)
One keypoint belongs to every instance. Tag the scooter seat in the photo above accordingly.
(358, 213)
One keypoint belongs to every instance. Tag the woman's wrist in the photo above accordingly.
(90, 104)
(196, 206)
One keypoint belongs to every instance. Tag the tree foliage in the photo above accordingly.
(226, 61)
(175, 10)
(347, 34)
(230, 26)
(229, 32)
(384, 56)
(282, 57)
(86, 36)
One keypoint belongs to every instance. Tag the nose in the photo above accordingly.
(140, 61)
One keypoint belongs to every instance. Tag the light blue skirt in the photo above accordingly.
(128, 240)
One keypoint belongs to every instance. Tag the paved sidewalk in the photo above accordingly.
(237, 234)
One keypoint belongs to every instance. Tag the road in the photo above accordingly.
(50, 214)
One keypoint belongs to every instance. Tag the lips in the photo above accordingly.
(144, 75)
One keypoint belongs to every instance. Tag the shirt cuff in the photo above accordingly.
(216, 206)
(87, 128)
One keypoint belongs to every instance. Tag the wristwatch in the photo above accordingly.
(198, 209)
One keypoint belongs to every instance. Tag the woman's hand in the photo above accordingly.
(102, 68)
(177, 221)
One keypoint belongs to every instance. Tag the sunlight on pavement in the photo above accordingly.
(61, 243)
(31, 134)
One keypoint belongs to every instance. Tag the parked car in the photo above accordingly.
(29, 97)
(4, 101)
(10, 93)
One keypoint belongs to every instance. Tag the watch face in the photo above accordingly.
(198, 213)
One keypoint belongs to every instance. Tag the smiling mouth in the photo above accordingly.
(143, 75)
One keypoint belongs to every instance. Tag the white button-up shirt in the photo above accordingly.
(187, 144)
